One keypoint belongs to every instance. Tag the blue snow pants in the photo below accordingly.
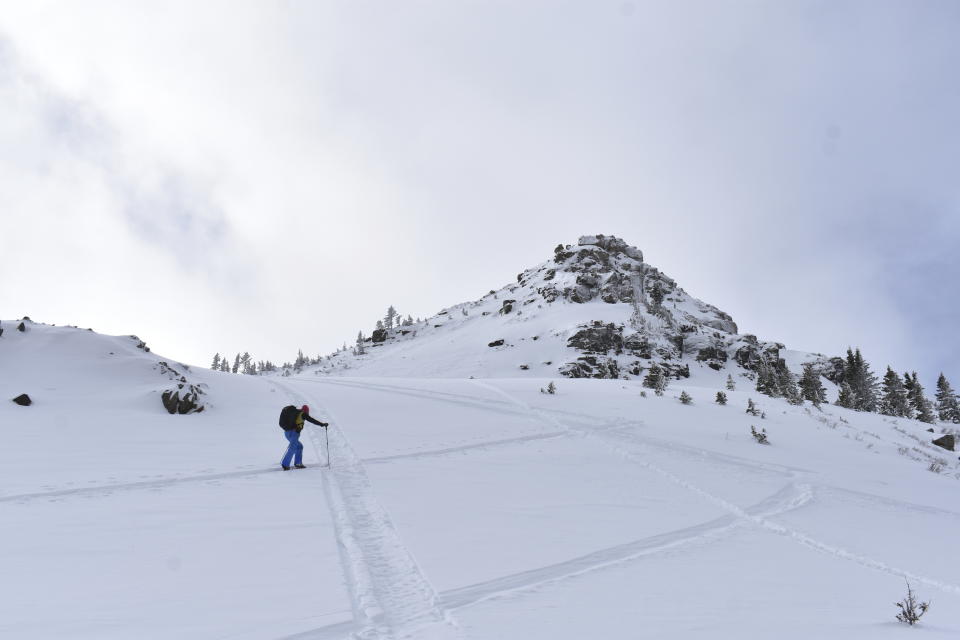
(295, 450)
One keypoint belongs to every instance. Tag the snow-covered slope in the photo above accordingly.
(458, 508)
(594, 310)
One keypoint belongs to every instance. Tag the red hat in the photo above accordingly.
(305, 409)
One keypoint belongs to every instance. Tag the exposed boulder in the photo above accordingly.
(21, 327)
(379, 335)
(182, 401)
(948, 442)
(23, 400)
(507, 306)
(550, 293)
(186, 397)
(714, 356)
(598, 338)
(591, 367)
(496, 343)
(638, 344)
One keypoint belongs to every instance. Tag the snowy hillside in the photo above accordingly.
(594, 310)
(453, 508)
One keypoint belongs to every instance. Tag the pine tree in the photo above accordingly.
(655, 379)
(752, 408)
(918, 401)
(862, 382)
(216, 362)
(847, 398)
(767, 380)
(360, 349)
(894, 400)
(685, 398)
(225, 365)
(787, 385)
(731, 385)
(811, 388)
(948, 405)
(656, 294)
(245, 363)
(721, 398)
(236, 364)
(390, 317)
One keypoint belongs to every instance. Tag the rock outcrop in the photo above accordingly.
(948, 442)
(23, 400)
(185, 397)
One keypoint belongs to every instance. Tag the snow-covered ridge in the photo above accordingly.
(55, 362)
(593, 310)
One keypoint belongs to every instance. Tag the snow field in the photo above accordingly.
(454, 508)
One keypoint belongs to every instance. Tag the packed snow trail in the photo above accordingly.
(789, 498)
(390, 596)
(107, 489)
(624, 447)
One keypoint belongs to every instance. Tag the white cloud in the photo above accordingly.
(289, 169)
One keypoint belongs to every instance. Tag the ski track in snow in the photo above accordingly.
(107, 490)
(596, 425)
(625, 446)
(390, 595)
(789, 498)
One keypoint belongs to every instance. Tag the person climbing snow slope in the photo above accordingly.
(291, 420)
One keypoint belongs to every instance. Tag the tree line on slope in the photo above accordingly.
(859, 389)
(244, 363)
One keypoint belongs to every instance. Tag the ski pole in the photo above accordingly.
(326, 438)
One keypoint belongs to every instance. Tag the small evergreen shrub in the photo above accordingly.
(910, 609)
(721, 398)
(759, 436)
(685, 398)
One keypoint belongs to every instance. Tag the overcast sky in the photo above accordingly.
(266, 176)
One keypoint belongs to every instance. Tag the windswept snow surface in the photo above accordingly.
(453, 508)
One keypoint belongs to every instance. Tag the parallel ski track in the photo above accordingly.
(390, 595)
(623, 445)
(109, 489)
(789, 498)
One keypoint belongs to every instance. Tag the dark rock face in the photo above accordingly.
(598, 338)
(507, 306)
(753, 355)
(23, 400)
(186, 397)
(638, 344)
(714, 356)
(948, 442)
(175, 403)
(600, 263)
(21, 327)
(591, 367)
(379, 335)
(496, 343)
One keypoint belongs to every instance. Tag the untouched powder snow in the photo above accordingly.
(454, 507)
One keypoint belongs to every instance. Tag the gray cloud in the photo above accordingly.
(790, 163)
